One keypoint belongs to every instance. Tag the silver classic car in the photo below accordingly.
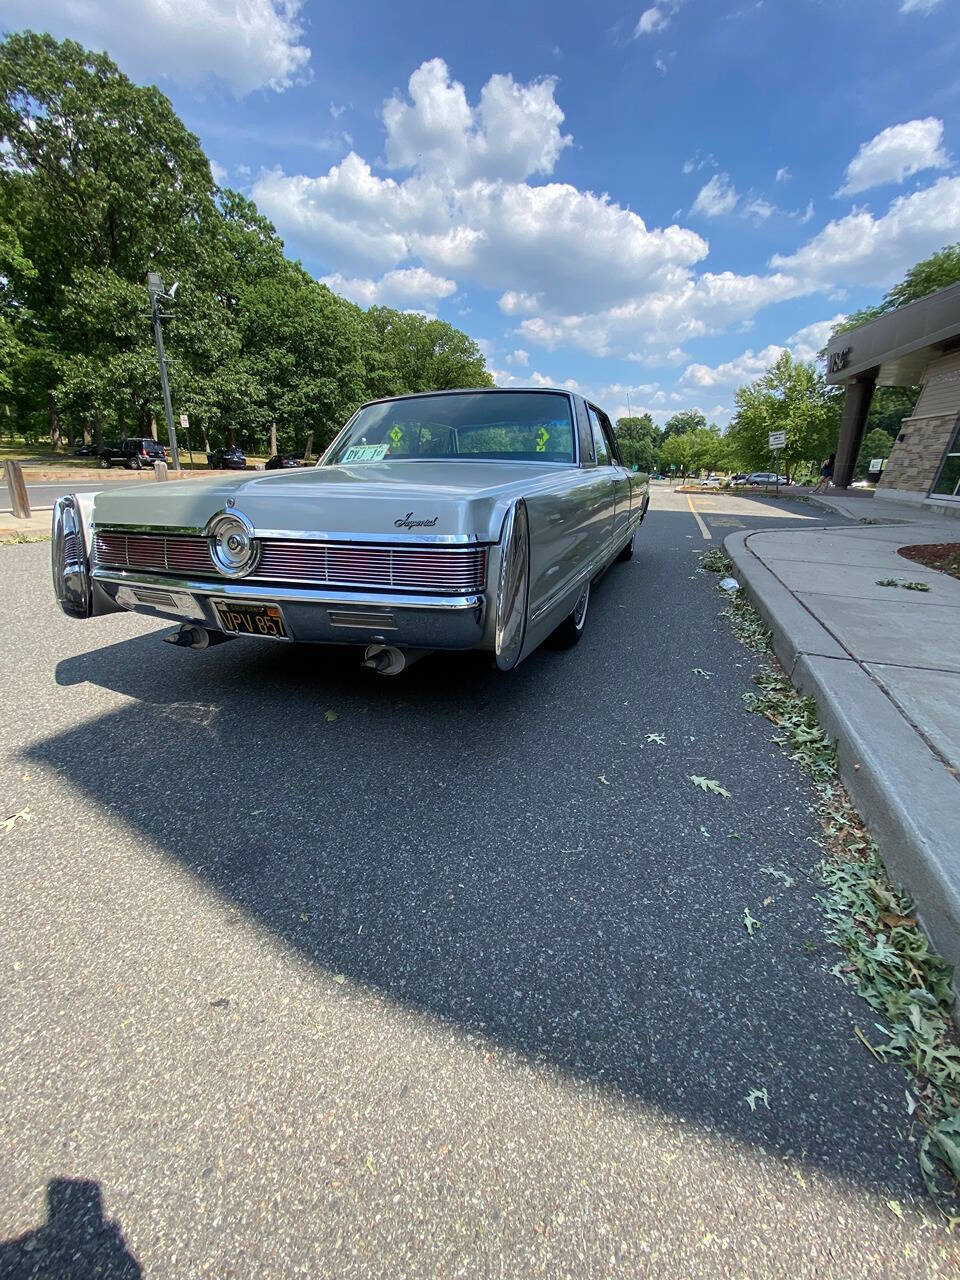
(448, 520)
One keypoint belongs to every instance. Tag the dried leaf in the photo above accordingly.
(339, 979)
(330, 716)
(755, 1096)
(603, 780)
(895, 921)
(895, 1208)
(699, 671)
(658, 738)
(748, 921)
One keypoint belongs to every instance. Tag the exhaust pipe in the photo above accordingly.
(193, 637)
(388, 660)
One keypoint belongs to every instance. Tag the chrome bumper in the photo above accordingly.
(314, 615)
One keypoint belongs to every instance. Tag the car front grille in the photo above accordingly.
(452, 570)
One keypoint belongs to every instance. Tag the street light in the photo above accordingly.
(156, 291)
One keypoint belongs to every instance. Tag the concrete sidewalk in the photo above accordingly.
(36, 525)
(883, 663)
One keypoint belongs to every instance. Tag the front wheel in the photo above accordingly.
(105, 463)
(571, 628)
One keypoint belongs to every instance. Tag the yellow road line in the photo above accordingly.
(696, 515)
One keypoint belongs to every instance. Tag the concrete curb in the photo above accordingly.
(909, 800)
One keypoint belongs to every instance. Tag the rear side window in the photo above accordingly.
(600, 447)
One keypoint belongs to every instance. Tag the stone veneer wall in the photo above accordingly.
(917, 453)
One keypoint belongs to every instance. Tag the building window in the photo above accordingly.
(948, 481)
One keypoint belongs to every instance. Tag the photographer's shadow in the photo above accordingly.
(75, 1243)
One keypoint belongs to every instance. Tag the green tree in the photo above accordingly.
(677, 452)
(685, 420)
(792, 397)
(408, 352)
(876, 444)
(639, 439)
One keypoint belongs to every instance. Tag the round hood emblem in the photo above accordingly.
(233, 548)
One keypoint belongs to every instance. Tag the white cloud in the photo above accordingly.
(218, 172)
(513, 132)
(718, 196)
(759, 209)
(395, 289)
(519, 357)
(808, 342)
(863, 250)
(733, 373)
(919, 6)
(653, 19)
(247, 44)
(660, 65)
(784, 174)
(896, 153)
(337, 109)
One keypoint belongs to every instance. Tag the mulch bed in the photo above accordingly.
(944, 556)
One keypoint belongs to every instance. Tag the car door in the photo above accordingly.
(617, 504)
(622, 481)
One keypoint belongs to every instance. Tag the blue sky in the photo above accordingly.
(648, 202)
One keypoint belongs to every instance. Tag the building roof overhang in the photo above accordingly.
(900, 344)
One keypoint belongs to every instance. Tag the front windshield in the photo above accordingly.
(516, 426)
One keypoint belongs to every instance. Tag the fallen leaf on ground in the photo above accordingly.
(755, 1096)
(658, 738)
(603, 780)
(895, 1208)
(339, 978)
(748, 921)
(780, 875)
(699, 671)
(709, 784)
(893, 921)
(23, 816)
(330, 716)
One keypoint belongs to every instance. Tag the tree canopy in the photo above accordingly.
(101, 182)
(936, 272)
(792, 397)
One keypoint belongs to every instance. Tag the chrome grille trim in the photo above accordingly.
(450, 569)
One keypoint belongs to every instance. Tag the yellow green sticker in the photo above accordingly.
(543, 435)
(396, 435)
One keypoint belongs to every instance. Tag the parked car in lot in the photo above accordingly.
(134, 452)
(762, 477)
(85, 451)
(475, 519)
(281, 460)
(229, 459)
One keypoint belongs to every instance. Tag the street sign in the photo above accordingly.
(778, 439)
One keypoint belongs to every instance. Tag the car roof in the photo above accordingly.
(459, 391)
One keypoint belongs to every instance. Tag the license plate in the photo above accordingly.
(243, 618)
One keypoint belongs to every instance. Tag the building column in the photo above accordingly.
(853, 420)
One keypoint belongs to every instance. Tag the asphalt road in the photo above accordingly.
(306, 972)
(44, 495)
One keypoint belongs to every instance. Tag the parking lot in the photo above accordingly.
(308, 972)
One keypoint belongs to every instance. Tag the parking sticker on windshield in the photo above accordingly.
(396, 435)
(365, 453)
(543, 435)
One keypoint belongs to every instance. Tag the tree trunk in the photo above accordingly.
(97, 429)
(153, 426)
(206, 438)
(273, 438)
(55, 439)
(231, 437)
(308, 451)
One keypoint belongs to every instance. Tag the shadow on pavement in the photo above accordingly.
(75, 1243)
(446, 838)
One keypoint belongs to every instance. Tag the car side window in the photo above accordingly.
(600, 446)
(610, 436)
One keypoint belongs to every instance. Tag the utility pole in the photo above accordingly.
(155, 289)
